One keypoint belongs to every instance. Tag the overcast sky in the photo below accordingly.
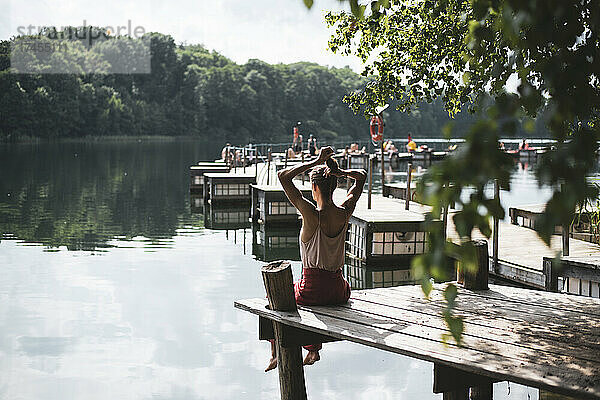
(271, 30)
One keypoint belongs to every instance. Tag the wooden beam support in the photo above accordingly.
(455, 384)
(483, 391)
(277, 277)
(550, 275)
(370, 191)
(496, 237)
(292, 337)
(478, 279)
(408, 183)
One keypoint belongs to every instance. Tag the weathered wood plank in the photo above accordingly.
(533, 326)
(498, 334)
(582, 378)
(571, 307)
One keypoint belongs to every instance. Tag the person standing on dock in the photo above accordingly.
(298, 147)
(411, 146)
(226, 154)
(322, 237)
(312, 145)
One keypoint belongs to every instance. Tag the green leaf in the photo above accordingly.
(308, 3)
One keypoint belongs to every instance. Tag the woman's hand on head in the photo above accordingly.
(325, 153)
(332, 168)
(336, 172)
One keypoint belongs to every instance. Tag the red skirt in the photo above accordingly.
(321, 287)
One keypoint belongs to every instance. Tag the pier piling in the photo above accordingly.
(408, 182)
(478, 279)
(496, 228)
(277, 277)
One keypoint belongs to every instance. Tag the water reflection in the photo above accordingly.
(226, 217)
(82, 195)
(361, 276)
(146, 310)
(275, 243)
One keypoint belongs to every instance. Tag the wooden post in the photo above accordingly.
(302, 175)
(446, 380)
(565, 235)
(484, 391)
(244, 157)
(348, 157)
(408, 183)
(445, 217)
(268, 165)
(477, 280)
(550, 275)
(382, 165)
(565, 240)
(512, 212)
(277, 277)
(495, 238)
(370, 190)
(455, 383)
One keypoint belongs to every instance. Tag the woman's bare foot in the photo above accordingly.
(272, 364)
(311, 358)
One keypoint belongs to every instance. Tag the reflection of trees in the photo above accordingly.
(83, 195)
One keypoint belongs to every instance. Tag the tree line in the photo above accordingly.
(190, 91)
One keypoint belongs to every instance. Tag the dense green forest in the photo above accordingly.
(191, 91)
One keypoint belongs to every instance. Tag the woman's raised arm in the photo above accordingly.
(287, 175)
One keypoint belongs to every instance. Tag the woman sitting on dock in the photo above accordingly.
(323, 235)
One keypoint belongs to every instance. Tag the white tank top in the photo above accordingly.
(322, 251)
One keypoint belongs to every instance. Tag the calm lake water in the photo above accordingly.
(112, 287)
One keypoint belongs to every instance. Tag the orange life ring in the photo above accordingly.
(376, 126)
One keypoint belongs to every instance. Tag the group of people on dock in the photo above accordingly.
(298, 147)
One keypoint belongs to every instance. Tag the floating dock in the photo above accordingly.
(197, 175)
(357, 161)
(270, 204)
(228, 187)
(382, 241)
(398, 190)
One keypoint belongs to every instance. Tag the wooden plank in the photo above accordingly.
(490, 316)
(582, 378)
(499, 334)
(540, 303)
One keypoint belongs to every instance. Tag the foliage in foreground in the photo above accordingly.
(463, 52)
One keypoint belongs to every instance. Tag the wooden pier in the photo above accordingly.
(524, 258)
(398, 190)
(541, 339)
